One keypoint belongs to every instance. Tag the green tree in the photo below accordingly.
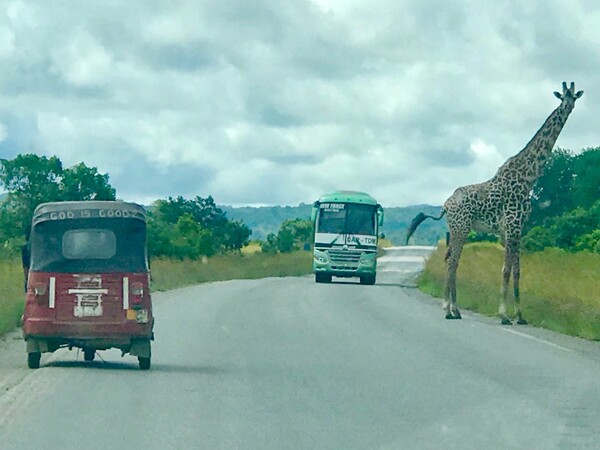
(233, 235)
(192, 228)
(585, 189)
(538, 238)
(285, 240)
(551, 195)
(32, 179)
(589, 241)
(85, 183)
(574, 230)
(270, 245)
(569, 227)
(202, 210)
(292, 235)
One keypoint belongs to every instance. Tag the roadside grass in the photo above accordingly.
(384, 243)
(559, 290)
(11, 294)
(169, 273)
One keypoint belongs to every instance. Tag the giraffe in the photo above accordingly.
(500, 205)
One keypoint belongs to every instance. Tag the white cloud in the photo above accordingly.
(21, 14)
(486, 154)
(7, 42)
(83, 61)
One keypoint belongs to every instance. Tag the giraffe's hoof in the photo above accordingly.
(521, 322)
(453, 316)
(506, 321)
(456, 315)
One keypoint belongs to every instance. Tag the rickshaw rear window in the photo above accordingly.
(89, 244)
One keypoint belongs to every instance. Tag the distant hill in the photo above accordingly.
(267, 219)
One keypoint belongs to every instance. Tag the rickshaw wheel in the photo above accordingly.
(89, 354)
(144, 363)
(33, 360)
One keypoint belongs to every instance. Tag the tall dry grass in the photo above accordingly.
(559, 290)
(12, 295)
(169, 273)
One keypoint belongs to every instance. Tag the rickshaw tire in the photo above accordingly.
(89, 354)
(144, 363)
(33, 360)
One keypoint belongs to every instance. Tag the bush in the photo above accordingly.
(293, 235)
(538, 239)
(590, 241)
(481, 237)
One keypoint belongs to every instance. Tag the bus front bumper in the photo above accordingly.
(366, 264)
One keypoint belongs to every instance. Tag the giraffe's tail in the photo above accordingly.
(418, 220)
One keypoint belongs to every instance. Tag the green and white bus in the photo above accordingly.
(346, 236)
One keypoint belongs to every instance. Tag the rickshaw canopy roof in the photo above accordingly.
(92, 209)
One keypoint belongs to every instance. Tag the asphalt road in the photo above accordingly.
(285, 363)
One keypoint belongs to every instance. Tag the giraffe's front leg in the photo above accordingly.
(502, 308)
(516, 276)
(509, 259)
(450, 306)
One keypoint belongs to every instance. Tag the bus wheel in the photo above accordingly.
(33, 360)
(144, 363)
(322, 277)
(368, 279)
(89, 354)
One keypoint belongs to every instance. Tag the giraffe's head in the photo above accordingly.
(568, 95)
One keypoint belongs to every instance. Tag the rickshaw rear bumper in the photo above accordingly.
(53, 334)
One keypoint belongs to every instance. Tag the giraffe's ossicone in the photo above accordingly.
(500, 205)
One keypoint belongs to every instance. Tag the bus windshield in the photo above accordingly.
(348, 218)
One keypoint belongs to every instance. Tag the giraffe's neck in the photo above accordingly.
(530, 161)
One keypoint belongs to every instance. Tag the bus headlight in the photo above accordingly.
(368, 259)
(321, 257)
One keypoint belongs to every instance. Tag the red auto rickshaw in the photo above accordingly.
(88, 281)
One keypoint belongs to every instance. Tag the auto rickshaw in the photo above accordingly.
(88, 280)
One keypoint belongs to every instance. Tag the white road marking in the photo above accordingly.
(533, 338)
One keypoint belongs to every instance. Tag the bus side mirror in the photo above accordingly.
(313, 211)
(380, 216)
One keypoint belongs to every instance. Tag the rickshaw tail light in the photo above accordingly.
(137, 291)
(40, 290)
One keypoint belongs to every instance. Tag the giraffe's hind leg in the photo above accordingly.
(457, 241)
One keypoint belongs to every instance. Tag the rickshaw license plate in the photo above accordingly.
(141, 316)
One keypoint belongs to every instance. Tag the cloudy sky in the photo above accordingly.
(276, 102)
